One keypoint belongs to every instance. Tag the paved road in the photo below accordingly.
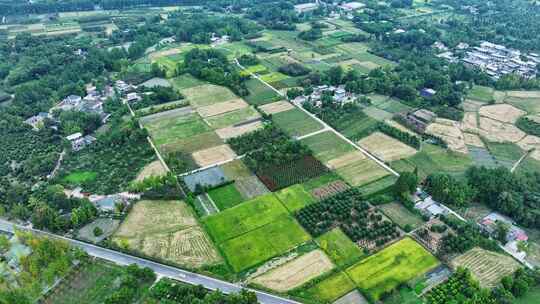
(160, 269)
(326, 126)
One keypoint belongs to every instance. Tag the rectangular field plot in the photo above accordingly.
(166, 127)
(251, 187)
(329, 289)
(327, 145)
(294, 172)
(329, 189)
(340, 248)
(296, 272)
(362, 172)
(486, 266)
(276, 107)
(244, 217)
(378, 185)
(193, 143)
(259, 93)
(207, 178)
(239, 129)
(294, 197)
(207, 94)
(263, 243)
(222, 107)
(296, 123)
(178, 238)
(185, 81)
(213, 155)
(385, 147)
(390, 267)
(233, 118)
(481, 93)
(401, 216)
(226, 196)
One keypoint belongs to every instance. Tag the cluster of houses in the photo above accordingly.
(495, 59)
(339, 93)
(345, 8)
(104, 203)
(424, 203)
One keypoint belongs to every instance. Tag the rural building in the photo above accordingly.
(427, 205)
(133, 97)
(352, 6)
(425, 115)
(79, 142)
(341, 96)
(36, 121)
(490, 221)
(427, 93)
(305, 7)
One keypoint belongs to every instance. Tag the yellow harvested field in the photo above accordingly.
(450, 133)
(362, 172)
(345, 159)
(213, 155)
(178, 238)
(499, 96)
(386, 147)
(470, 105)
(235, 131)
(222, 107)
(276, 107)
(531, 142)
(487, 266)
(296, 272)
(524, 94)
(497, 131)
(470, 122)
(473, 140)
(502, 112)
(154, 168)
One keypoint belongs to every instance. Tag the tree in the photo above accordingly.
(98, 232)
(501, 231)
(406, 183)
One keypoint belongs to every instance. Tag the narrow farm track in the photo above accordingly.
(324, 124)
(160, 269)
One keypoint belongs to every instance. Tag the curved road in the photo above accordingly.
(160, 269)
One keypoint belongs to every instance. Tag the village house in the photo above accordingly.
(352, 6)
(341, 96)
(133, 97)
(427, 205)
(79, 142)
(427, 93)
(489, 224)
(305, 7)
(37, 121)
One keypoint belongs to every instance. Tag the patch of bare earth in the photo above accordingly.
(473, 140)
(296, 272)
(154, 168)
(276, 107)
(531, 142)
(213, 155)
(222, 107)
(235, 131)
(496, 131)
(386, 147)
(345, 160)
(450, 132)
(502, 112)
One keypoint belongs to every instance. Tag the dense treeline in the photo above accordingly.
(448, 190)
(213, 66)
(528, 125)
(167, 291)
(294, 69)
(466, 235)
(517, 196)
(251, 141)
(158, 187)
(402, 136)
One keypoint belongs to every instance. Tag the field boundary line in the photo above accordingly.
(212, 165)
(212, 201)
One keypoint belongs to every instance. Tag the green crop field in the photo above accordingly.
(530, 297)
(260, 94)
(296, 123)
(390, 267)
(273, 77)
(361, 172)
(294, 197)
(185, 81)
(80, 177)
(173, 128)
(194, 143)
(226, 196)
(329, 289)
(401, 216)
(321, 181)
(340, 248)
(529, 105)
(263, 243)
(207, 94)
(506, 154)
(378, 185)
(327, 146)
(481, 93)
(244, 217)
(232, 118)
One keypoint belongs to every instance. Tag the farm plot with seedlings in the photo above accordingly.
(530, 105)
(327, 145)
(259, 93)
(178, 238)
(392, 266)
(481, 93)
(380, 184)
(225, 196)
(221, 108)
(251, 187)
(505, 154)
(401, 216)
(213, 155)
(194, 143)
(207, 178)
(327, 290)
(347, 210)
(296, 272)
(296, 123)
(329, 189)
(294, 197)
(170, 128)
(239, 129)
(386, 147)
(377, 113)
(233, 118)
(207, 94)
(276, 107)
(289, 173)
(486, 266)
(339, 248)
(362, 172)
(345, 159)
(185, 81)
(502, 112)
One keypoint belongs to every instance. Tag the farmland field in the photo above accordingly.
(290, 173)
(329, 289)
(174, 126)
(260, 94)
(386, 147)
(213, 155)
(296, 123)
(263, 243)
(294, 197)
(401, 216)
(207, 94)
(193, 143)
(340, 248)
(378, 185)
(178, 238)
(296, 272)
(185, 81)
(327, 145)
(225, 196)
(362, 172)
(232, 118)
(481, 93)
(486, 266)
(394, 265)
